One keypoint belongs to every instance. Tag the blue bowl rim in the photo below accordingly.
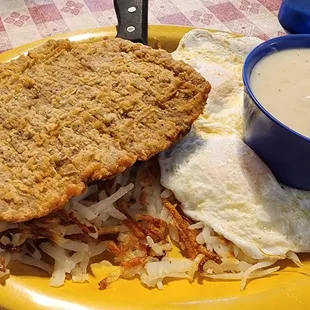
(246, 82)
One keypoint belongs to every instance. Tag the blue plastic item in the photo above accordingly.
(294, 16)
(285, 151)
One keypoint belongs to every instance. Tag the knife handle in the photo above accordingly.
(132, 16)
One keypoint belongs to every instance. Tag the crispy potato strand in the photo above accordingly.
(188, 236)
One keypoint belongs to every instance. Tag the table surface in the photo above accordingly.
(22, 21)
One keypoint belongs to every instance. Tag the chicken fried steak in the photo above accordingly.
(71, 113)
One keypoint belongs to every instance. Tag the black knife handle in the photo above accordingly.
(132, 16)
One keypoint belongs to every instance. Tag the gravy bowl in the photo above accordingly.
(285, 151)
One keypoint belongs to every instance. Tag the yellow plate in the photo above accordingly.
(28, 288)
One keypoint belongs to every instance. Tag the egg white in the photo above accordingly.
(217, 178)
(219, 57)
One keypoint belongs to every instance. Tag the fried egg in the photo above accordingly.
(219, 57)
(218, 179)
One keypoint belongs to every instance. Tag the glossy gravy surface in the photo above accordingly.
(281, 83)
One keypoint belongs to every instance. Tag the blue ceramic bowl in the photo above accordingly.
(294, 16)
(285, 151)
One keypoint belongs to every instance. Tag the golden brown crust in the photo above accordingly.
(71, 113)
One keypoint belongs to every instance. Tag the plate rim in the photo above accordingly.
(154, 31)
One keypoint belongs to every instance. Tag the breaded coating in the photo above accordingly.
(72, 113)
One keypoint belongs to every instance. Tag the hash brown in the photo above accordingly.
(71, 113)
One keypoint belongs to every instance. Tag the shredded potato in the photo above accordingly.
(136, 220)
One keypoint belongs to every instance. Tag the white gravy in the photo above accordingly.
(281, 83)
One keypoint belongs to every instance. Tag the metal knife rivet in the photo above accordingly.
(132, 9)
(131, 28)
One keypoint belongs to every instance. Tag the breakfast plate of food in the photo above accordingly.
(128, 182)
